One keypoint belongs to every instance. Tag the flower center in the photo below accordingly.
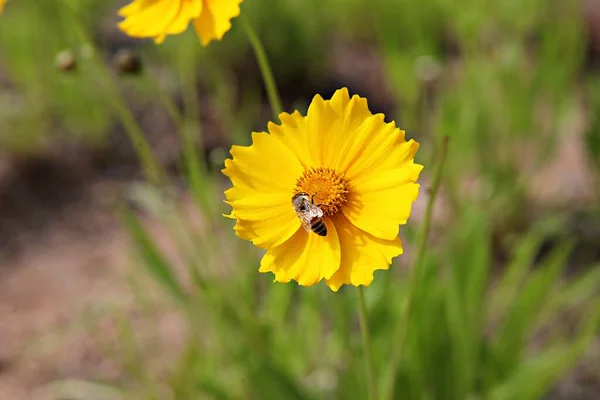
(326, 187)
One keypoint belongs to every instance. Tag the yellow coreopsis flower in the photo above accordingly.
(159, 18)
(343, 174)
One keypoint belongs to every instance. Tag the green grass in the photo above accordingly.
(482, 325)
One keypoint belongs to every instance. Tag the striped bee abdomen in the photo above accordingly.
(318, 226)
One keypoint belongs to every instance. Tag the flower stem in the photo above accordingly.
(366, 342)
(150, 166)
(265, 68)
(402, 328)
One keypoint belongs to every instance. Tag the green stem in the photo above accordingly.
(421, 246)
(366, 342)
(193, 143)
(265, 68)
(136, 136)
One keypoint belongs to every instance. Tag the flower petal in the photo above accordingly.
(148, 18)
(266, 166)
(380, 202)
(292, 132)
(305, 257)
(369, 144)
(317, 138)
(134, 7)
(362, 254)
(352, 112)
(323, 136)
(393, 153)
(189, 10)
(267, 220)
(215, 19)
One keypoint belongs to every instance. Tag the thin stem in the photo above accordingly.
(265, 68)
(435, 186)
(366, 342)
(193, 143)
(185, 130)
(402, 329)
(136, 136)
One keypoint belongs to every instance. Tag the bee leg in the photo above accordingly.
(312, 200)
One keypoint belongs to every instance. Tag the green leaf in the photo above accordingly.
(534, 378)
(268, 380)
(153, 260)
(521, 318)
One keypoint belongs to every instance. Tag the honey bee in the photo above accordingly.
(310, 215)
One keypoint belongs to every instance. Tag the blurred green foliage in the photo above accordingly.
(469, 336)
(494, 76)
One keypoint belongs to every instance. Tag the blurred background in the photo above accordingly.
(111, 288)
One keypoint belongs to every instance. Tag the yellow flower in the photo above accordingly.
(2, 3)
(356, 168)
(159, 18)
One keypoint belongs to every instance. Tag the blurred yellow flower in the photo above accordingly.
(340, 160)
(159, 18)
(2, 3)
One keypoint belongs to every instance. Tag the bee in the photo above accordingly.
(310, 215)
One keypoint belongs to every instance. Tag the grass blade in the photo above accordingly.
(154, 262)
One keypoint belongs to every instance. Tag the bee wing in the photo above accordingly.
(314, 211)
(307, 213)
(305, 219)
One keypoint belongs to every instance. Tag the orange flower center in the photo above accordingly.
(326, 187)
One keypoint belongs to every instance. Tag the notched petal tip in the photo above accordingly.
(341, 94)
(418, 168)
(414, 145)
(228, 164)
(305, 257)
(335, 287)
(230, 216)
(362, 255)
(317, 98)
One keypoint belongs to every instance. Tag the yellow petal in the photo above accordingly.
(368, 145)
(340, 100)
(378, 203)
(292, 132)
(131, 8)
(318, 138)
(335, 125)
(267, 166)
(263, 176)
(2, 3)
(393, 154)
(149, 18)
(267, 220)
(353, 112)
(306, 258)
(388, 179)
(322, 128)
(371, 143)
(362, 254)
(215, 19)
(189, 10)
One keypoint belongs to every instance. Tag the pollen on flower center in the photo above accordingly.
(325, 186)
